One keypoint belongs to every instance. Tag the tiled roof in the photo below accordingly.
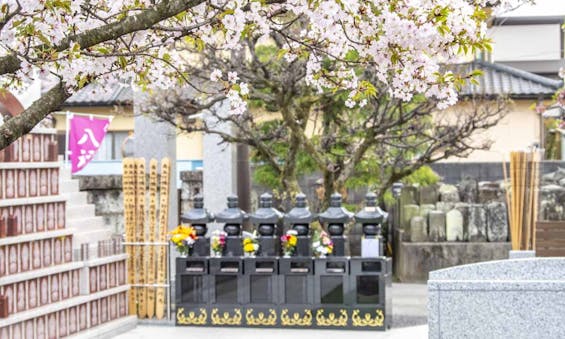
(500, 79)
(99, 95)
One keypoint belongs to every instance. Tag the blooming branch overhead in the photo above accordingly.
(80, 41)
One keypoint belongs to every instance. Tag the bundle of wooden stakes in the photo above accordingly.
(147, 263)
(522, 198)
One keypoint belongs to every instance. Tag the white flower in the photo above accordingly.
(216, 75)
(349, 103)
(562, 73)
(1, 120)
(232, 77)
(363, 103)
(243, 88)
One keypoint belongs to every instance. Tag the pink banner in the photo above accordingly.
(85, 137)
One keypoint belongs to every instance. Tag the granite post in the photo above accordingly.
(219, 175)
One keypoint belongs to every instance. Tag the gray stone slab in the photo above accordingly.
(408, 212)
(425, 209)
(429, 195)
(477, 223)
(463, 207)
(409, 195)
(454, 225)
(497, 222)
(444, 206)
(520, 298)
(418, 229)
(449, 193)
(436, 226)
(219, 165)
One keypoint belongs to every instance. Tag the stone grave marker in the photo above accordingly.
(436, 223)
(497, 222)
(418, 229)
(428, 195)
(454, 225)
(477, 223)
(448, 193)
(463, 207)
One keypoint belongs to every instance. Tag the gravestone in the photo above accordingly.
(418, 229)
(154, 139)
(468, 190)
(425, 209)
(477, 223)
(219, 164)
(436, 224)
(409, 195)
(444, 206)
(448, 193)
(497, 222)
(428, 195)
(408, 212)
(454, 225)
(464, 209)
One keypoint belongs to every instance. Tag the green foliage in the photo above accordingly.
(424, 176)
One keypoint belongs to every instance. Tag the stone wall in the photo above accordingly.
(105, 192)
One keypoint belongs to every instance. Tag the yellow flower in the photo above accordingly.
(292, 241)
(178, 238)
(246, 241)
(249, 247)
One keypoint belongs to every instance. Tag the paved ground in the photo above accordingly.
(409, 309)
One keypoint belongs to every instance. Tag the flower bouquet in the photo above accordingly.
(322, 244)
(288, 242)
(183, 237)
(218, 242)
(250, 245)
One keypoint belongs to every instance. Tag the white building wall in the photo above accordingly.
(525, 42)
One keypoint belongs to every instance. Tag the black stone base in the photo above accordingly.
(303, 246)
(339, 246)
(269, 246)
(201, 247)
(233, 248)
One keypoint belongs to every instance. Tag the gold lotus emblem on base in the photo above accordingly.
(367, 320)
(191, 318)
(261, 319)
(331, 319)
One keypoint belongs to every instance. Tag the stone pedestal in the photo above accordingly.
(234, 247)
(269, 246)
(201, 247)
(303, 247)
(339, 245)
(372, 247)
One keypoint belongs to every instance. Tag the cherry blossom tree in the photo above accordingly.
(81, 41)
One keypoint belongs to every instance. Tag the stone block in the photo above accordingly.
(408, 212)
(436, 226)
(468, 190)
(409, 196)
(488, 299)
(429, 195)
(497, 222)
(463, 207)
(418, 229)
(477, 223)
(444, 206)
(425, 209)
(489, 194)
(454, 225)
(448, 193)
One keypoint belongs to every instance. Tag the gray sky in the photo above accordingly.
(540, 8)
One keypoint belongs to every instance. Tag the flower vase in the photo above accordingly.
(249, 255)
(286, 255)
(322, 256)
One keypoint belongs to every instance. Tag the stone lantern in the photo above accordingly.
(199, 217)
(335, 217)
(299, 219)
(233, 218)
(266, 219)
(371, 218)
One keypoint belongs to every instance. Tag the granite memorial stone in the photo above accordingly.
(497, 222)
(454, 225)
(477, 224)
(448, 193)
(418, 230)
(436, 223)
